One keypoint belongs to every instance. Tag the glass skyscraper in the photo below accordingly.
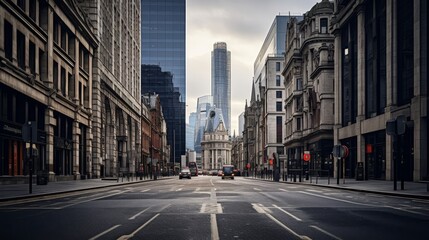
(221, 81)
(163, 43)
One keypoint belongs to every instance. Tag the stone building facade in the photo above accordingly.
(237, 153)
(309, 79)
(116, 97)
(216, 145)
(47, 53)
(381, 59)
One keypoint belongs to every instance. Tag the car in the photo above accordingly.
(219, 173)
(185, 173)
(228, 171)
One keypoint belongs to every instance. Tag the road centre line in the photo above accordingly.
(256, 189)
(138, 214)
(125, 237)
(106, 231)
(288, 213)
(326, 232)
(213, 227)
(180, 189)
(146, 190)
(284, 190)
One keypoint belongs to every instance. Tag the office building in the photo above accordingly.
(163, 43)
(270, 93)
(381, 62)
(154, 80)
(204, 104)
(221, 81)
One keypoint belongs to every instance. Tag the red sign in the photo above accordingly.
(248, 166)
(307, 156)
(368, 148)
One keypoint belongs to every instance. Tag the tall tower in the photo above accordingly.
(221, 81)
(163, 43)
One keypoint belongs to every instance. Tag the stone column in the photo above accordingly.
(50, 123)
(50, 47)
(76, 156)
(360, 85)
(2, 53)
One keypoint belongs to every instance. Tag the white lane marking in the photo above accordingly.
(138, 214)
(258, 208)
(211, 181)
(92, 199)
(102, 233)
(203, 208)
(197, 189)
(179, 190)
(256, 189)
(336, 199)
(363, 204)
(284, 190)
(213, 227)
(326, 232)
(314, 190)
(288, 213)
(219, 208)
(125, 237)
(266, 209)
(287, 228)
(145, 190)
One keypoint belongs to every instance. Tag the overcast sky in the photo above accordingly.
(243, 25)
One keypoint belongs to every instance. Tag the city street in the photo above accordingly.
(207, 207)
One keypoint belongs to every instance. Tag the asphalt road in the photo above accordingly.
(207, 207)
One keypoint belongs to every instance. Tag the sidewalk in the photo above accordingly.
(22, 191)
(411, 189)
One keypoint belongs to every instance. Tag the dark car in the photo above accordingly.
(185, 173)
(228, 171)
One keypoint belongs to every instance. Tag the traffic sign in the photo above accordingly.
(307, 156)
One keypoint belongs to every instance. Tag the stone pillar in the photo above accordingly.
(89, 138)
(337, 86)
(50, 47)
(76, 156)
(360, 140)
(2, 53)
(50, 123)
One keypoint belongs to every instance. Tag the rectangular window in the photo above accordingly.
(20, 49)
(278, 106)
(278, 80)
(277, 66)
(279, 129)
(299, 84)
(21, 4)
(71, 86)
(80, 94)
(8, 40)
(56, 26)
(323, 25)
(375, 58)
(278, 94)
(33, 10)
(42, 65)
(64, 37)
(298, 124)
(32, 58)
(55, 75)
(63, 81)
(405, 49)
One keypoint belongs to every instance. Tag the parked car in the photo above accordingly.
(185, 173)
(219, 173)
